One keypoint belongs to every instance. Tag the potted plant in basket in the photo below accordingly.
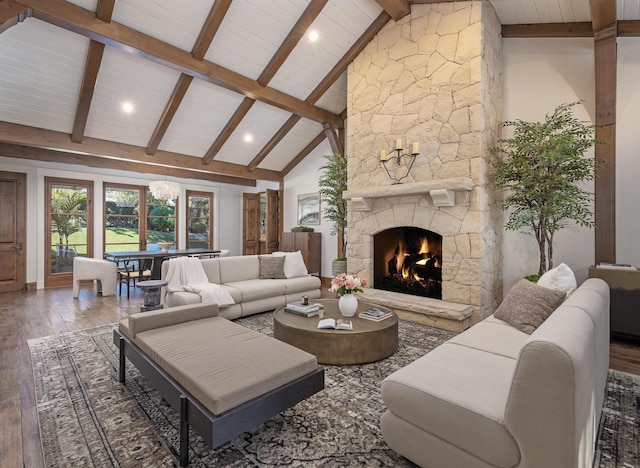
(332, 183)
(539, 168)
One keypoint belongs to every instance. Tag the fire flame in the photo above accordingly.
(402, 252)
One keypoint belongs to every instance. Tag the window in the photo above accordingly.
(132, 226)
(199, 220)
(69, 233)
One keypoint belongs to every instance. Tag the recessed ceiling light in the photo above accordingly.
(127, 107)
(313, 36)
(248, 138)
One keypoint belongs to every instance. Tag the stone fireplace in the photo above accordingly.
(434, 77)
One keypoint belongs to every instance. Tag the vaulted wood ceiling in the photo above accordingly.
(202, 74)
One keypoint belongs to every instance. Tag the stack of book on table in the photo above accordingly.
(375, 313)
(306, 310)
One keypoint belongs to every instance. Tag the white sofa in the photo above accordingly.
(494, 396)
(240, 276)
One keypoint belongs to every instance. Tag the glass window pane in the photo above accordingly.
(161, 221)
(68, 226)
(122, 219)
(199, 221)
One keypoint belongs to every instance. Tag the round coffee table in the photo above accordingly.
(369, 341)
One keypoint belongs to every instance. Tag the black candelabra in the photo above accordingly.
(387, 160)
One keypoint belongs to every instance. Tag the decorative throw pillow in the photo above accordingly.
(271, 267)
(293, 264)
(560, 278)
(528, 305)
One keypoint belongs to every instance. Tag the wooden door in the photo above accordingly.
(273, 228)
(250, 223)
(12, 231)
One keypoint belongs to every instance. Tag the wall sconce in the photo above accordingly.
(386, 160)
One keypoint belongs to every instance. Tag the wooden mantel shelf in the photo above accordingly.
(442, 191)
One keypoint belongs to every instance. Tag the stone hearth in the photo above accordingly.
(433, 78)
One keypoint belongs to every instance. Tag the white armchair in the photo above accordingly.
(103, 271)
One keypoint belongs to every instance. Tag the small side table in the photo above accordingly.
(151, 290)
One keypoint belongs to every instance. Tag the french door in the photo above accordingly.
(69, 227)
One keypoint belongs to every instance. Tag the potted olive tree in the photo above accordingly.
(332, 183)
(539, 168)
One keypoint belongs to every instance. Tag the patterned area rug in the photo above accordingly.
(88, 419)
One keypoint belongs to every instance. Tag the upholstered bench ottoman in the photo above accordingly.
(224, 378)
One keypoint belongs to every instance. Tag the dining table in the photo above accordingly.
(159, 256)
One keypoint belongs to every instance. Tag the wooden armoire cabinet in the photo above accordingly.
(309, 244)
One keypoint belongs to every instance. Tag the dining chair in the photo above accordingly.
(134, 269)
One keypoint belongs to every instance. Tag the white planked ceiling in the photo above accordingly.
(42, 66)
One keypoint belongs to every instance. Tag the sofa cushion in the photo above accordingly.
(465, 407)
(239, 268)
(528, 305)
(271, 267)
(560, 278)
(254, 289)
(294, 265)
(494, 336)
(223, 364)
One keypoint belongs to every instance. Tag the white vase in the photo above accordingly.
(348, 304)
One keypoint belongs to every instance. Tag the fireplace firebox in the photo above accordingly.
(408, 260)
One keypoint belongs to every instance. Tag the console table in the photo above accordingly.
(625, 300)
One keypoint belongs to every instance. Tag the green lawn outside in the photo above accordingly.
(117, 240)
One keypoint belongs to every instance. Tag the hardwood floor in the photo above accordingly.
(28, 315)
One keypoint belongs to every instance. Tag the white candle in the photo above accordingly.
(415, 148)
(383, 155)
(399, 143)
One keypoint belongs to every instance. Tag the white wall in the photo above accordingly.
(227, 207)
(304, 179)
(539, 75)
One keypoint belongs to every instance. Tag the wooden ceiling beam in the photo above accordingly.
(546, 30)
(76, 19)
(332, 136)
(397, 9)
(297, 32)
(603, 13)
(304, 153)
(240, 113)
(49, 155)
(58, 141)
(104, 12)
(9, 12)
(200, 48)
(273, 142)
(339, 68)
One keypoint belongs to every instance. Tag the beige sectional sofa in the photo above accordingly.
(494, 396)
(241, 277)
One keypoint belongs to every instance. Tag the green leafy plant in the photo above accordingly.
(332, 183)
(539, 169)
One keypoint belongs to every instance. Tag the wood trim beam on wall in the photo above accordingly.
(44, 154)
(58, 141)
(603, 14)
(76, 19)
(547, 30)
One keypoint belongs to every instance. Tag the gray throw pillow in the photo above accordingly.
(528, 305)
(271, 267)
